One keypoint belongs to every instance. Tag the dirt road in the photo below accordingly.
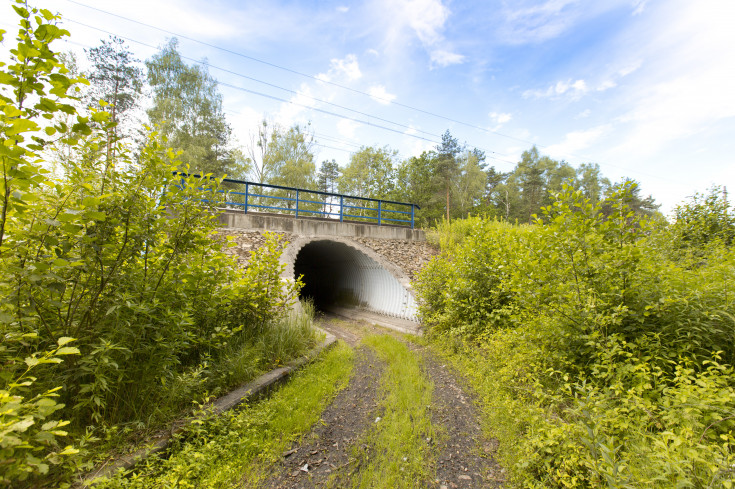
(333, 454)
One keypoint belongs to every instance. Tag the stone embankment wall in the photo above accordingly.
(409, 256)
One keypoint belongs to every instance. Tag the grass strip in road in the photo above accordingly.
(399, 452)
(235, 449)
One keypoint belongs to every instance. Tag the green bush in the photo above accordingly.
(121, 255)
(603, 355)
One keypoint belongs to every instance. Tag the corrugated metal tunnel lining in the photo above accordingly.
(336, 274)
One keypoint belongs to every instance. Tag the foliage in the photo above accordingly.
(369, 173)
(328, 176)
(414, 184)
(260, 165)
(123, 257)
(28, 445)
(326, 181)
(241, 444)
(468, 187)
(290, 156)
(187, 110)
(34, 87)
(116, 81)
(705, 219)
(603, 357)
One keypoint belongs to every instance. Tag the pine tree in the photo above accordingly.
(117, 80)
(187, 110)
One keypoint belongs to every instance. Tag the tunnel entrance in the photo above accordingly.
(337, 275)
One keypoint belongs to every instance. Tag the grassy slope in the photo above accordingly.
(236, 448)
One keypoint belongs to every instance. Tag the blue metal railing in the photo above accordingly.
(240, 194)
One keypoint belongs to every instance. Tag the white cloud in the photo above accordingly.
(572, 89)
(605, 85)
(417, 146)
(347, 66)
(244, 120)
(380, 95)
(629, 68)
(584, 114)
(291, 112)
(424, 19)
(346, 128)
(343, 9)
(639, 6)
(443, 58)
(538, 22)
(576, 89)
(578, 140)
(533, 21)
(685, 86)
(500, 118)
(345, 69)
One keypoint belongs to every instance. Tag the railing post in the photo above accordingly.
(341, 208)
(412, 214)
(380, 211)
(297, 203)
(246, 197)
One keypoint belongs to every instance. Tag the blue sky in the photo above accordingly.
(642, 87)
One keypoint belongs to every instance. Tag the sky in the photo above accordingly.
(644, 88)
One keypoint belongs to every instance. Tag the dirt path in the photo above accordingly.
(325, 449)
(464, 456)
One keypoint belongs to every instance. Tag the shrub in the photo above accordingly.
(603, 357)
(118, 253)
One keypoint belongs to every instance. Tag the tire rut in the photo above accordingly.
(466, 456)
(324, 451)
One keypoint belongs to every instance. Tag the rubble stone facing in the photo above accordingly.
(245, 242)
(409, 256)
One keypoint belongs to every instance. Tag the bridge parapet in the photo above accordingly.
(236, 219)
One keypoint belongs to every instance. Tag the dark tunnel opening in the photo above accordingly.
(320, 279)
(323, 266)
(336, 275)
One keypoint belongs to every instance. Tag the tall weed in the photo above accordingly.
(603, 354)
(118, 254)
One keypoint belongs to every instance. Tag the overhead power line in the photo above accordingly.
(386, 100)
(306, 75)
(488, 153)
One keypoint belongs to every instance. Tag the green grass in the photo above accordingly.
(244, 358)
(399, 452)
(235, 449)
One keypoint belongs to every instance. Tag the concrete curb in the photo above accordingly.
(217, 407)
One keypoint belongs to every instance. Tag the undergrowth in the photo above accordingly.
(237, 448)
(119, 307)
(601, 344)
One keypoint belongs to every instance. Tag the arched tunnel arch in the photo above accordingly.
(339, 275)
